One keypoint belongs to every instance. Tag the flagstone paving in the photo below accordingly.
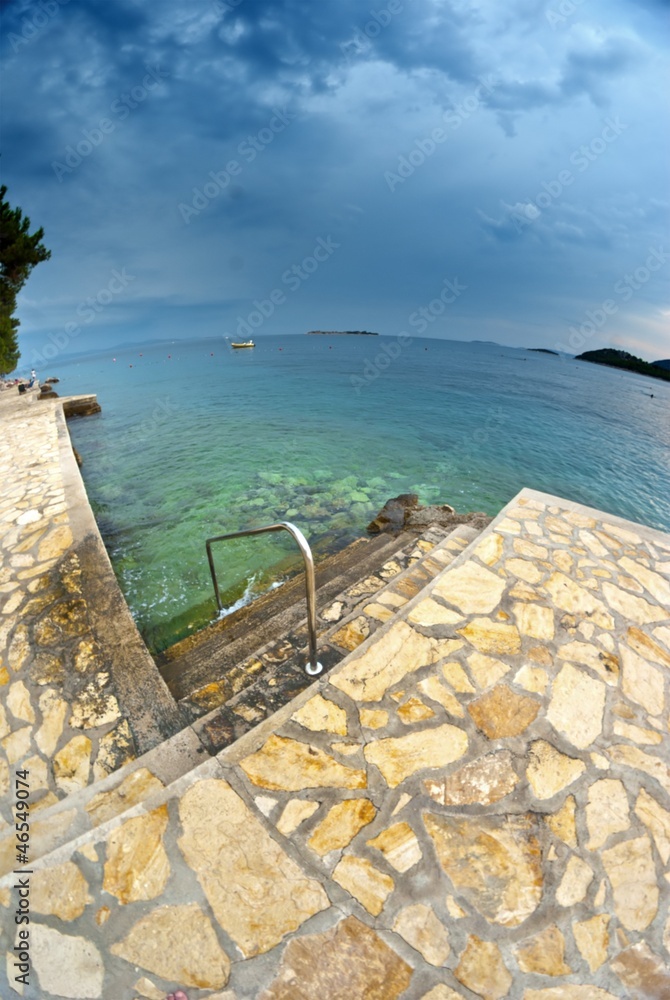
(475, 803)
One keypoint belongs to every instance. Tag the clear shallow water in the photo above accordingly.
(211, 440)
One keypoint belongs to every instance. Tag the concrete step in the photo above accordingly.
(215, 652)
(274, 684)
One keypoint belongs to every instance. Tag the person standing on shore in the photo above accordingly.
(33, 378)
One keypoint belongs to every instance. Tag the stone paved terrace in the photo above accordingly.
(474, 804)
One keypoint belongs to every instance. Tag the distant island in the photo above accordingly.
(622, 359)
(341, 333)
(542, 350)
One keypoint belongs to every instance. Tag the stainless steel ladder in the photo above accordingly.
(313, 668)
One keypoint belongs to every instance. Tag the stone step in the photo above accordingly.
(84, 817)
(217, 650)
(275, 684)
(362, 579)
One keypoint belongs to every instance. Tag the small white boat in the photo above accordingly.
(247, 343)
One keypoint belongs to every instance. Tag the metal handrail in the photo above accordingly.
(312, 667)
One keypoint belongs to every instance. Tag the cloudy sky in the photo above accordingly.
(207, 167)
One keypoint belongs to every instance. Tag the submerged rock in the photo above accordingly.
(405, 511)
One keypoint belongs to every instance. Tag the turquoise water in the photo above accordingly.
(196, 439)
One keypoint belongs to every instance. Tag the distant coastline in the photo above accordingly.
(622, 359)
(341, 333)
(543, 350)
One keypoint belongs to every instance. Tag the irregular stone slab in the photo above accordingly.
(414, 710)
(373, 718)
(399, 845)
(490, 548)
(55, 544)
(550, 771)
(351, 635)
(562, 823)
(341, 825)
(643, 972)
(569, 993)
(631, 608)
(592, 939)
(365, 882)
(137, 865)
(482, 970)
(525, 569)
(295, 813)
(646, 647)
(544, 954)
(135, 787)
(177, 943)
(256, 892)
(657, 585)
(494, 862)
(94, 707)
(632, 874)
(604, 664)
(399, 652)
(575, 882)
(502, 712)
(321, 715)
(533, 679)
(648, 737)
(77, 973)
(18, 702)
(577, 705)
(53, 709)
(60, 892)
(606, 812)
(419, 926)
(398, 758)
(428, 612)
(456, 677)
(653, 766)
(570, 596)
(482, 782)
(71, 764)
(531, 550)
(436, 691)
(534, 620)
(288, 765)
(349, 955)
(471, 588)
(491, 637)
(657, 821)
(486, 670)
(642, 683)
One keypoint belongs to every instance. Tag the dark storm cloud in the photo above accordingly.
(273, 123)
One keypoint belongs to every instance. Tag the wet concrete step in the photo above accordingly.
(205, 657)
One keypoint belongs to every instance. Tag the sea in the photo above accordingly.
(197, 439)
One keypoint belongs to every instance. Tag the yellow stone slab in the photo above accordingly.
(398, 758)
(288, 765)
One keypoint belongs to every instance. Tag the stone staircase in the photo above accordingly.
(359, 591)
